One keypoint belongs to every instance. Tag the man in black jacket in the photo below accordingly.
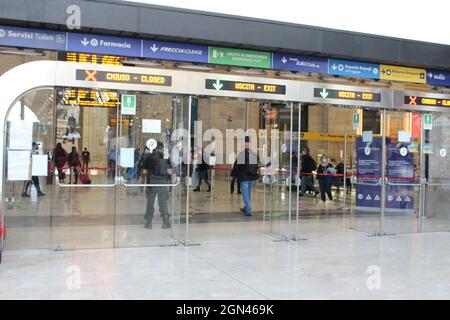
(308, 166)
(247, 173)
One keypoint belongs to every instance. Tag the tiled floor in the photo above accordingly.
(237, 261)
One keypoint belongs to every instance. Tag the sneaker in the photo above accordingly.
(248, 214)
(315, 194)
(196, 189)
(301, 194)
(40, 194)
(148, 225)
(25, 195)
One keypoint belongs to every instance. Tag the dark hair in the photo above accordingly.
(306, 148)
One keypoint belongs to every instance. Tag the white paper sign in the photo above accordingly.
(367, 136)
(127, 157)
(20, 135)
(404, 136)
(39, 165)
(151, 126)
(18, 165)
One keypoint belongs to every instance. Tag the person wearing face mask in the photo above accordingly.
(325, 177)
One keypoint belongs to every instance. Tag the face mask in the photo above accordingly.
(325, 161)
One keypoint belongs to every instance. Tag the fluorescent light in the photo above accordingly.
(24, 52)
(193, 66)
(247, 71)
(140, 62)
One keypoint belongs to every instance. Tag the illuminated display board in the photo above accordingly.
(427, 101)
(90, 98)
(221, 85)
(113, 122)
(123, 77)
(91, 58)
(346, 95)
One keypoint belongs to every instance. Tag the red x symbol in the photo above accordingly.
(412, 100)
(90, 75)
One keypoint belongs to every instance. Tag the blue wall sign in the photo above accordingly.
(284, 61)
(91, 43)
(353, 69)
(438, 78)
(32, 38)
(175, 51)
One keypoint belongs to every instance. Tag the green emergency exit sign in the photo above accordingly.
(428, 121)
(239, 57)
(356, 120)
(128, 104)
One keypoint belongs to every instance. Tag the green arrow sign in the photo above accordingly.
(324, 93)
(239, 57)
(218, 85)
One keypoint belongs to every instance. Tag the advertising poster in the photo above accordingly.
(368, 170)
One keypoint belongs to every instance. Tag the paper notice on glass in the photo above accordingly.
(39, 165)
(404, 136)
(20, 135)
(127, 157)
(367, 136)
(151, 126)
(18, 165)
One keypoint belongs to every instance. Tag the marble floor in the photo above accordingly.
(238, 261)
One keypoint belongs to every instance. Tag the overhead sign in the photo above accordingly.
(91, 58)
(239, 57)
(221, 85)
(403, 74)
(428, 121)
(92, 43)
(32, 38)
(123, 77)
(175, 51)
(426, 101)
(325, 93)
(89, 98)
(438, 78)
(324, 136)
(292, 62)
(354, 69)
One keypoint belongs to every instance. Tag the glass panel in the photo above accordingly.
(436, 151)
(28, 214)
(277, 147)
(364, 170)
(84, 157)
(403, 173)
(149, 202)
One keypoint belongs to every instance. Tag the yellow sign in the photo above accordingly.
(403, 74)
(323, 136)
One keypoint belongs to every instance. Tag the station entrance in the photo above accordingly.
(385, 163)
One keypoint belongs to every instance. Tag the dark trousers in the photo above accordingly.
(34, 180)
(233, 181)
(163, 198)
(325, 188)
(203, 176)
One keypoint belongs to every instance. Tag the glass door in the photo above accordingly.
(84, 167)
(279, 191)
(367, 176)
(150, 199)
(436, 152)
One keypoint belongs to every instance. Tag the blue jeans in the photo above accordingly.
(246, 189)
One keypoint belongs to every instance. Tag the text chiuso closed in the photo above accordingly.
(123, 77)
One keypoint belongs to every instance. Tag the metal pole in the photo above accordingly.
(345, 171)
(291, 105)
(422, 176)
(298, 157)
(383, 171)
(188, 170)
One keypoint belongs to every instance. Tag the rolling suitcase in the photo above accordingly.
(84, 178)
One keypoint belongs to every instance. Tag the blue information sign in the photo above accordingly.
(92, 43)
(438, 78)
(175, 51)
(32, 38)
(353, 69)
(292, 62)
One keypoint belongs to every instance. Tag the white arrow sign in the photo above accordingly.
(154, 48)
(84, 42)
(284, 60)
(430, 75)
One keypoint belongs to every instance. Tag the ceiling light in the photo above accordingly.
(247, 71)
(139, 62)
(193, 66)
(24, 52)
(294, 75)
